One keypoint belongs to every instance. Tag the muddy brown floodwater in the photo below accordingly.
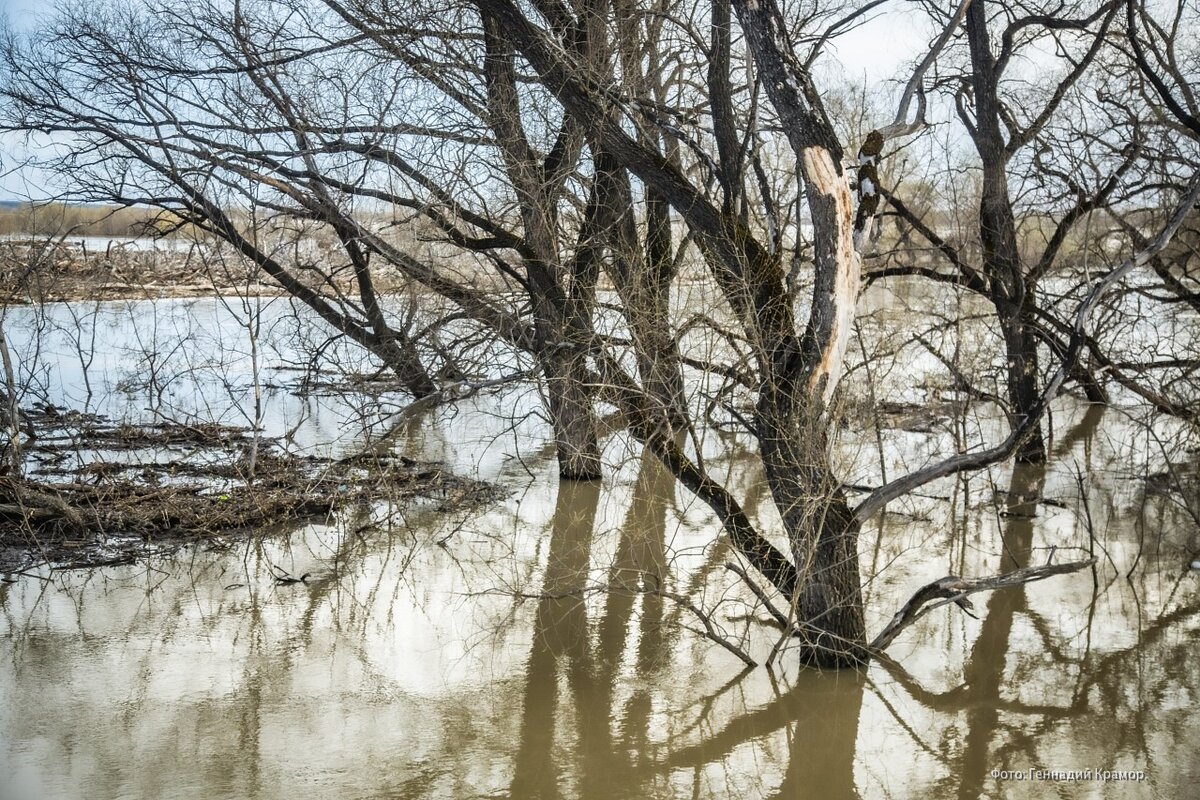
(521, 651)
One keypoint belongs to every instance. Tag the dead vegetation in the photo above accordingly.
(98, 493)
(59, 270)
(77, 267)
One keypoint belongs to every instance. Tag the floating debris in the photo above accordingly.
(128, 490)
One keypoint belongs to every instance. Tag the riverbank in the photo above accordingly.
(103, 269)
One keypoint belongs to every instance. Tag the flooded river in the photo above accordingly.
(526, 651)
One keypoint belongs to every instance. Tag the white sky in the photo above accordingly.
(877, 48)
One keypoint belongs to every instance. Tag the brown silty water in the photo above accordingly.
(532, 649)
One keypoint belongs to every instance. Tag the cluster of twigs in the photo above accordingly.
(206, 486)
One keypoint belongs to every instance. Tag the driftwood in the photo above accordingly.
(953, 589)
(83, 513)
(20, 499)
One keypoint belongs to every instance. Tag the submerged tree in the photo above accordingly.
(504, 157)
(1039, 175)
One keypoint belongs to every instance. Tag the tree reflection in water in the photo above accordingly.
(353, 684)
(810, 729)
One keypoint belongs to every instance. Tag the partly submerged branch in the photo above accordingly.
(953, 589)
(710, 631)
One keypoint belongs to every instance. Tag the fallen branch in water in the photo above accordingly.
(18, 498)
(953, 589)
(157, 494)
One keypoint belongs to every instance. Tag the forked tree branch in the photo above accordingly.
(902, 125)
(871, 149)
(1079, 337)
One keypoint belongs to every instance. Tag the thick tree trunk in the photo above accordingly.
(801, 374)
(824, 541)
(562, 295)
(572, 416)
(1022, 373)
(563, 329)
(822, 530)
(830, 601)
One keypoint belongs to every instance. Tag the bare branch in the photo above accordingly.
(981, 458)
(953, 589)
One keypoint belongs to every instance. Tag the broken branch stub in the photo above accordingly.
(868, 186)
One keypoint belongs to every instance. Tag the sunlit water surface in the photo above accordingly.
(521, 651)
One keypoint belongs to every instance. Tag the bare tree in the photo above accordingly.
(1005, 115)
(505, 156)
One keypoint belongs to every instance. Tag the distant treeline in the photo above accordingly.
(57, 219)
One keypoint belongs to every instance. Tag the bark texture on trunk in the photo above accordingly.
(800, 374)
(572, 417)
(562, 295)
(823, 534)
(1023, 375)
(797, 374)
(1011, 292)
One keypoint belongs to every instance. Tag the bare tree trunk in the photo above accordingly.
(824, 541)
(1011, 293)
(644, 286)
(562, 295)
(572, 416)
(1023, 375)
(563, 328)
